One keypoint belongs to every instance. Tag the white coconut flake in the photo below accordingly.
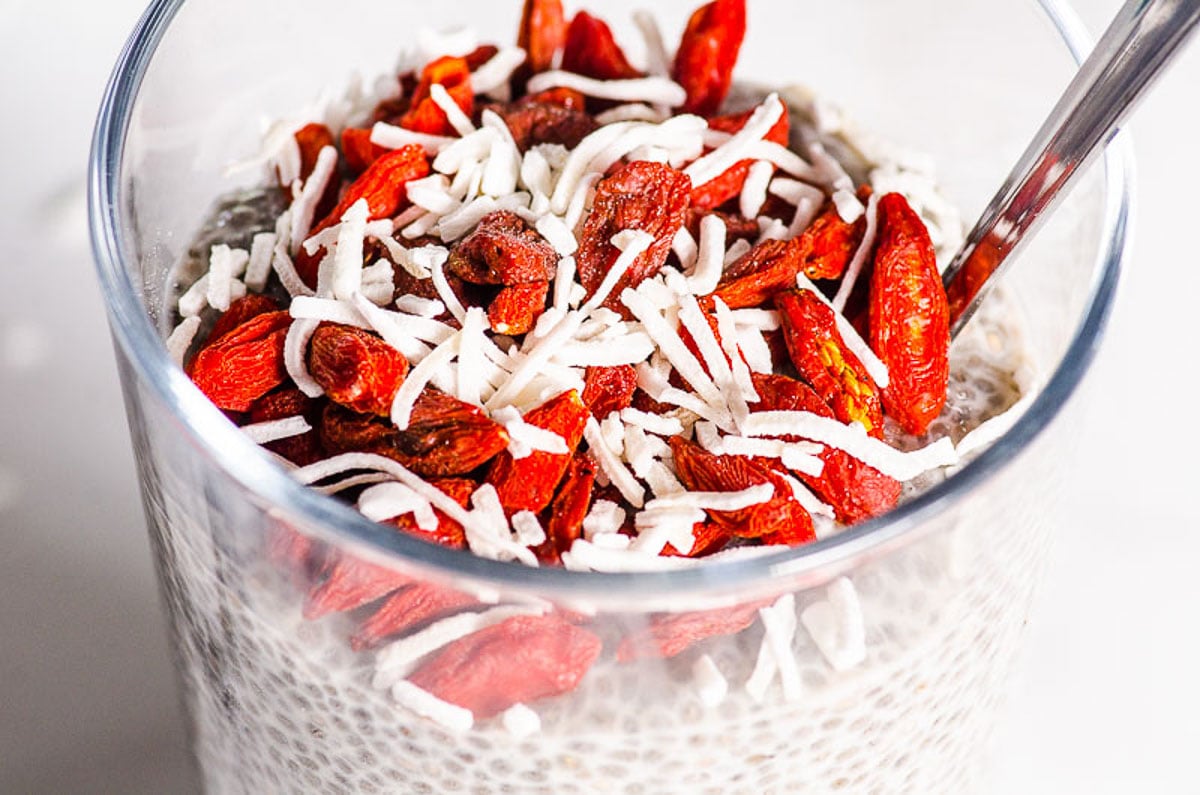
(564, 279)
(391, 137)
(224, 266)
(685, 248)
(661, 424)
(860, 256)
(470, 357)
(829, 171)
(716, 500)
(496, 73)
(710, 685)
(849, 207)
(558, 235)
(282, 264)
(657, 60)
(389, 500)
(653, 90)
(854, 341)
(754, 189)
(779, 621)
(421, 307)
(502, 169)
(603, 518)
(195, 299)
(738, 249)
(632, 111)
(433, 194)
(258, 269)
(836, 625)
(535, 358)
(528, 529)
(419, 377)
(347, 276)
(609, 461)
(181, 338)
(853, 439)
(710, 258)
(295, 356)
(274, 430)
(446, 293)
(421, 702)
(305, 205)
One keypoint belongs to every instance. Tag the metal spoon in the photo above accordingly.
(1139, 42)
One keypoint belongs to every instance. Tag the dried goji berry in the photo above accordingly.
(609, 389)
(700, 470)
(563, 519)
(829, 244)
(542, 33)
(503, 250)
(670, 634)
(383, 185)
(480, 55)
(424, 115)
(448, 532)
(408, 609)
(239, 312)
(445, 436)
(528, 484)
(910, 317)
(760, 273)
(350, 583)
(244, 364)
(561, 96)
(358, 151)
(729, 184)
(516, 308)
(542, 123)
(301, 450)
(649, 197)
(592, 50)
(822, 359)
(709, 50)
(311, 138)
(737, 227)
(356, 368)
(517, 661)
(854, 490)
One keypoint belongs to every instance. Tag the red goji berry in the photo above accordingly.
(909, 317)
(822, 359)
(762, 272)
(563, 519)
(408, 609)
(244, 364)
(518, 661)
(424, 115)
(737, 227)
(829, 243)
(649, 197)
(480, 55)
(670, 634)
(445, 436)
(542, 33)
(592, 50)
(561, 96)
(356, 368)
(516, 308)
(700, 470)
(542, 123)
(358, 151)
(528, 484)
(239, 312)
(503, 250)
(350, 583)
(311, 138)
(609, 389)
(709, 50)
(710, 537)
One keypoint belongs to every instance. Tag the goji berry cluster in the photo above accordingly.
(548, 292)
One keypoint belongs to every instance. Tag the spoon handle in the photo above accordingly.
(1138, 43)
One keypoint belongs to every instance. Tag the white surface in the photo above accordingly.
(1109, 702)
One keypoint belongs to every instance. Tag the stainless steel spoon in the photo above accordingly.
(1139, 42)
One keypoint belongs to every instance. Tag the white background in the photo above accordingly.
(1110, 698)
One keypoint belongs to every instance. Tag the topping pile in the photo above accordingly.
(579, 316)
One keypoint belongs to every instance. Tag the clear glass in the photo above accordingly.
(278, 702)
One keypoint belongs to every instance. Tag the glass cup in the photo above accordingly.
(908, 625)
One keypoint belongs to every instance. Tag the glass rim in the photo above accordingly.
(243, 461)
